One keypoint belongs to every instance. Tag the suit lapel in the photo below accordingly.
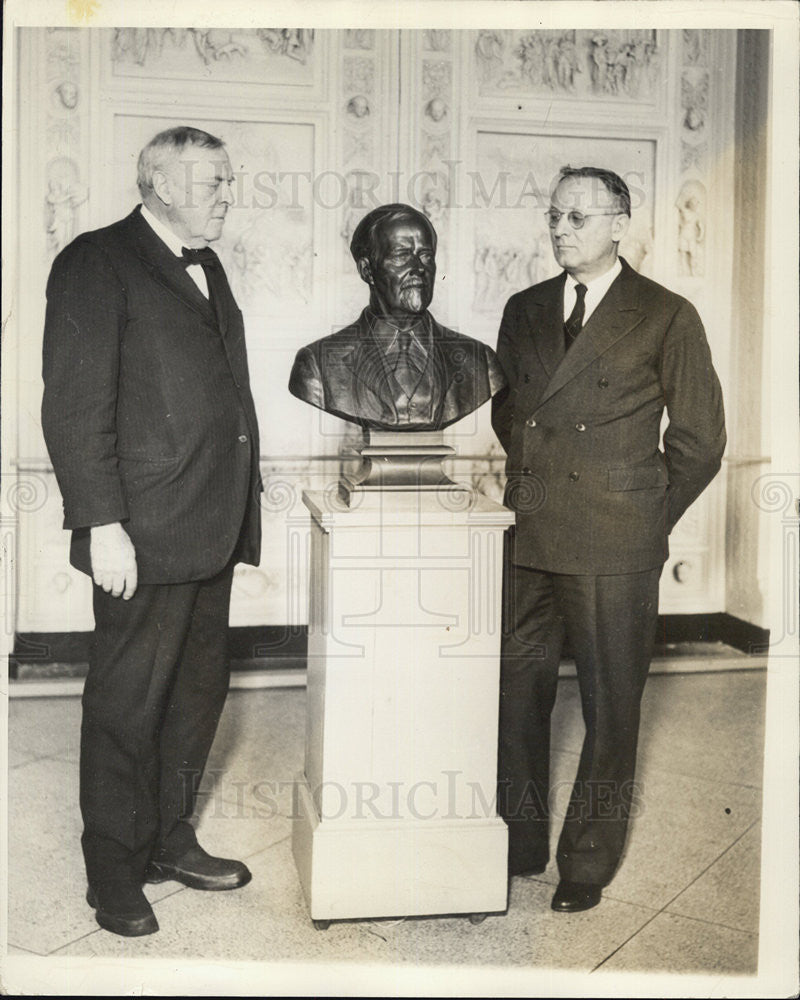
(223, 296)
(545, 314)
(167, 269)
(615, 317)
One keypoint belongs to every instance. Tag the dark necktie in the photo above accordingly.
(573, 325)
(215, 277)
(404, 371)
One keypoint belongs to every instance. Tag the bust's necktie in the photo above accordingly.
(574, 322)
(405, 371)
(215, 277)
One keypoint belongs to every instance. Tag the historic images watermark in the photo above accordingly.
(459, 187)
(448, 795)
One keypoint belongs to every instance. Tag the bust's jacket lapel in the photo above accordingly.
(370, 377)
(447, 358)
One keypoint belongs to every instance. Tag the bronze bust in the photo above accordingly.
(395, 368)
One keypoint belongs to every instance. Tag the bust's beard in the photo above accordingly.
(412, 300)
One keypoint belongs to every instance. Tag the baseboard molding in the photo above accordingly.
(718, 627)
(281, 649)
(256, 678)
(66, 654)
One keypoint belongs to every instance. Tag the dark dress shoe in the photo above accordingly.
(198, 870)
(572, 897)
(122, 908)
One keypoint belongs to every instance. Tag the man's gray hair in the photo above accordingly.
(166, 145)
(612, 182)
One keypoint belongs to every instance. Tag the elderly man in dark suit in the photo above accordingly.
(396, 368)
(592, 357)
(151, 428)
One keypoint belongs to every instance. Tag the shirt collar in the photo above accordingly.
(164, 233)
(597, 287)
(387, 334)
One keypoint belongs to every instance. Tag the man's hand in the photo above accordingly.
(113, 560)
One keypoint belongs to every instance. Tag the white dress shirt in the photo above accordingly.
(164, 233)
(595, 290)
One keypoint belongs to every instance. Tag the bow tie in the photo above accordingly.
(203, 256)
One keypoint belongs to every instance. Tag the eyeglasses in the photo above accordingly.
(574, 218)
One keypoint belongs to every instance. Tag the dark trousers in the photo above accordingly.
(157, 682)
(609, 622)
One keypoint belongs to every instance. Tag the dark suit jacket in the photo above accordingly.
(593, 491)
(147, 411)
(345, 374)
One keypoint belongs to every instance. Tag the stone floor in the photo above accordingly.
(685, 900)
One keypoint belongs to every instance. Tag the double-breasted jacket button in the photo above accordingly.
(526, 377)
(574, 476)
(580, 426)
(526, 470)
(603, 382)
(531, 422)
(243, 438)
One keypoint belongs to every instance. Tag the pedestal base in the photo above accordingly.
(395, 811)
(406, 868)
(396, 462)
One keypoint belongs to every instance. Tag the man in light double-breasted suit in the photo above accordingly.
(592, 358)
(152, 432)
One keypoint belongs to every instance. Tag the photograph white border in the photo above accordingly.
(778, 969)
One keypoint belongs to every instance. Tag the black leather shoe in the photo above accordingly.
(198, 870)
(572, 897)
(122, 908)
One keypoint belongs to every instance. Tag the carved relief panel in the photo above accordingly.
(429, 146)
(366, 122)
(283, 56)
(65, 136)
(699, 264)
(617, 65)
(52, 200)
(691, 203)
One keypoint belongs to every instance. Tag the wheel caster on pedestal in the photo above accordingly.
(477, 918)
(321, 925)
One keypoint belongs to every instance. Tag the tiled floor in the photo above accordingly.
(685, 900)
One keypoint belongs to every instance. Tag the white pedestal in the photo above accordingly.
(395, 813)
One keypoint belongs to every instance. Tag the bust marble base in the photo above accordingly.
(396, 461)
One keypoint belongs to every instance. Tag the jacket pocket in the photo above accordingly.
(144, 475)
(638, 477)
(150, 459)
